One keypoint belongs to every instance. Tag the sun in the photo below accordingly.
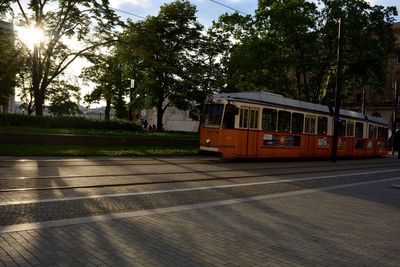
(30, 36)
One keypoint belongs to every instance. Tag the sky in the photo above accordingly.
(207, 9)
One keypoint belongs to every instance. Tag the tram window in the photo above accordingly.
(381, 133)
(253, 119)
(213, 115)
(229, 116)
(342, 128)
(375, 132)
(385, 133)
(243, 118)
(350, 129)
(309, 125)
(322, 127)
(372, 131)
(359, 130)
(269, 119)
(284, 121)
(297, 122)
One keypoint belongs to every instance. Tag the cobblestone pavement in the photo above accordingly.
(349, 226)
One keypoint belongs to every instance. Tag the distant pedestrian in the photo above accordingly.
(145, 125)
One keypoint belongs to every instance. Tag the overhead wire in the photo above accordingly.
(229, 7)
(126, 12)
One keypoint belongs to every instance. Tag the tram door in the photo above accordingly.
(248, 139)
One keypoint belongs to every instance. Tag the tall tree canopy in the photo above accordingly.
(111, 86)
(88, 22)
(164, 48)
(8, 63)
(290, 47)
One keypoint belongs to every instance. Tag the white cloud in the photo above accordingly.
(141, 3)
(384, 2)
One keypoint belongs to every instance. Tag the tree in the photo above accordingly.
(9, 63)
(24, 83)
(4, 6)
(208, 72)
(164, 48)
(291, 49)
(63, 20)
(61, 95)
(111, 86)
(368, 40)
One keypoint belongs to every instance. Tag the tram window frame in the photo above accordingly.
(322, 125)
(382, 133)
(359, 129)
(372, 131)
(230, 112)
(375, 132)
(216, 111)
(247, 120)
(310, 123)
(243, 118)
(350, 128)
(342, 127)
(271, 121)
(297, 122)
(385, 133)
(253, 119)
(284, 121)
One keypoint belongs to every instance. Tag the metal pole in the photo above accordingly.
(338, 88)
(130, 110)
(363, 103)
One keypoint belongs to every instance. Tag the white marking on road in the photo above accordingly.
(9, 203)
(140, 213)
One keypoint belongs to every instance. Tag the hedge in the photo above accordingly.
(65, 122)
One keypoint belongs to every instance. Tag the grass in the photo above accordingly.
(77, 150)
(40, 150)
(97, 132)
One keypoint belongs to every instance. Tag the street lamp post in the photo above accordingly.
(337, 93)
(130, 110)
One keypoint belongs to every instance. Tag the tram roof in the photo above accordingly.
(269, 98)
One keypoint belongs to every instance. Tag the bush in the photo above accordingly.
(65, 122)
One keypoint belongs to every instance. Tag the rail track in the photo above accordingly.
(18, 184)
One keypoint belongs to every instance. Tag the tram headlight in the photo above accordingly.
(208, 141)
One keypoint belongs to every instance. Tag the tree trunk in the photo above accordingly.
(160, 114)
(298, 84)
(39, 101)
(107, 111)
(38, 94)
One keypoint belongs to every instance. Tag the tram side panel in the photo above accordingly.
(282, 145)
(322, 146)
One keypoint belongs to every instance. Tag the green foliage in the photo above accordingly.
(115, 151)
(62, 20)
(368, 40)
(111, 85)
(8, 62)
(159, 46)
(61, 96)
(65, 122)
(289, 47)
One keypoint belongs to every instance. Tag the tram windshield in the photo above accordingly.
(213, 115)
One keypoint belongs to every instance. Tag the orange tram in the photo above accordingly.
(265, 125)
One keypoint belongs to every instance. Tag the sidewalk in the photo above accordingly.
(354, 226)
